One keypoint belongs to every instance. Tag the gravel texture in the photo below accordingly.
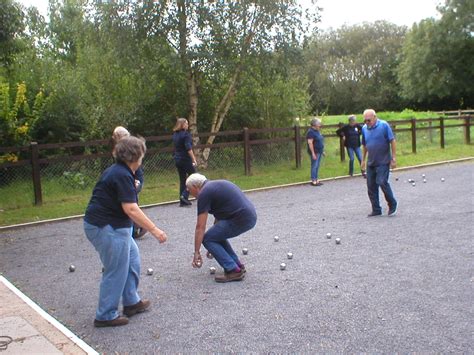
(394, 284)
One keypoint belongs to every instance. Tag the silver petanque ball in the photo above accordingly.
(212, 270)
(442, 179)
(424, 181)
(282, 266)
(276, 238)
(289, 255)
(328, 235)
(72, 268)
(245, 251)
(338, 241)
(149, 271)
(413, 184)
(423, 176)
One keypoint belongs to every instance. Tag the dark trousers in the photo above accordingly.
(377, 176)
(185, 168)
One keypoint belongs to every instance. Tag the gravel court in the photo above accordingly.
(400, 284)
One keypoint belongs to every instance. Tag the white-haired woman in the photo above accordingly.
(315, 142)
(108, 220)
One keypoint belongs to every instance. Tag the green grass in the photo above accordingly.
(62, 198)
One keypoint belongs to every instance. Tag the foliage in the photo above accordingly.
(353, 67)
(436, 70)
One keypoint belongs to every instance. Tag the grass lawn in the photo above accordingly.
(62, 198)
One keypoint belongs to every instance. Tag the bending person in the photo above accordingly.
(108, 225)
(234, 214)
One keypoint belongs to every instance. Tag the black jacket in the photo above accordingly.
(352, 135)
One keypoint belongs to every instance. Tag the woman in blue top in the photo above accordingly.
(183, 157)
(108, 221)
(315, 149)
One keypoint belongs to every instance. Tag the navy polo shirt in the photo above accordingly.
(224, 200)
(116, 185)
(352, 135)
(318, 140)
(183, 142)
(377, 142)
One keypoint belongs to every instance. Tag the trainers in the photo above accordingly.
(231, 276)
(374, 214)
(183, 202)
(111, 323)
(136, 308)
(392, 211)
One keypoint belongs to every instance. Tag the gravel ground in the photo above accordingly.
(401, 284)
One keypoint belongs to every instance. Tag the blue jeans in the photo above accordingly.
(377, 176)
(351, 152)
(121, 259)
(216, 240)
(315, 166)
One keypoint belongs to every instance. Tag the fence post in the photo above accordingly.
(36, 173)
(467, 128)
(413, 135)
(342, 149)
(430, 130)
(247, 151)
(441, 132)
(298, 146)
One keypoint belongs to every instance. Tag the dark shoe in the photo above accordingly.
(364, 174)
(231, 276)
(111, 323)
(392, 211)
(319, 184)
(183, 202)
(140, 307)
(139, 233)
(374, 214)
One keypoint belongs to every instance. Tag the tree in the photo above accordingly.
(436, 70)
(216, 42)
(353, 67)
(11, 28)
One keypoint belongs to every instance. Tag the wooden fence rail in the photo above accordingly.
(293, 134)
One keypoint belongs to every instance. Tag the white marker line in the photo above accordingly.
(29, 224)
(70, 335)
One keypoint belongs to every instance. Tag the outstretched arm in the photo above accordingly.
(198, 238)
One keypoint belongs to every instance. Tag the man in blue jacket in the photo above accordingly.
(379, 144)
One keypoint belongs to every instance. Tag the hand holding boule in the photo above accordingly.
(197, 260)
(159, 234)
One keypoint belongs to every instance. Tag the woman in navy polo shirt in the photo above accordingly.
(183, 157)
(315, 142)
(108, 224)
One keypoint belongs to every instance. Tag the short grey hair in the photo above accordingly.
(352, 117)
(315, 122)
(130, 149)
(195, 180)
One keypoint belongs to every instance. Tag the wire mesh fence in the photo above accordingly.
(69, 173)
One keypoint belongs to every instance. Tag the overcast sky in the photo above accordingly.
(338, 12)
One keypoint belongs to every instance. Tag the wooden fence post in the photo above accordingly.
(467, 129)
(342, 149)
(430, 130)
(35, 168)
(441, 132)
(247, 151)
(298, 146)
(413, 135)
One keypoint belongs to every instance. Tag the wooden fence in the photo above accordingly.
(248, 137)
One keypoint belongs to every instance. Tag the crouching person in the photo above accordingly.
(234, 214)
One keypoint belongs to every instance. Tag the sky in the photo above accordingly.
(350, 12)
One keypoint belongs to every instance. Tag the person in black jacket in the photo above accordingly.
(351, 133)
(183, 157)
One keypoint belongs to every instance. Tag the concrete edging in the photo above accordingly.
(61, 219)
(55, 323)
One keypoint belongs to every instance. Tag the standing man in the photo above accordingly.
(233, 213)
(350, 134)
(377, 141)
